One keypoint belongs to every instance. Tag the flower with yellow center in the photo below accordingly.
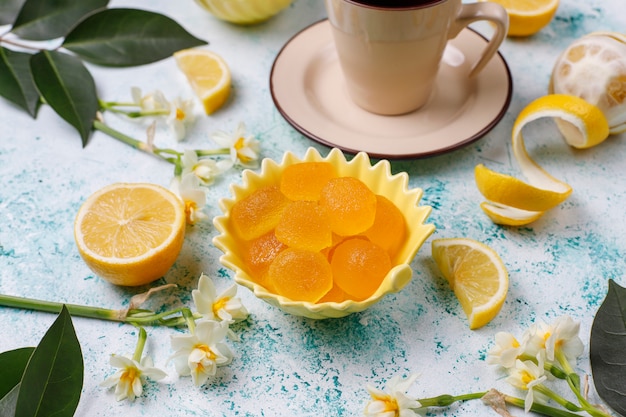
(527, 375)
(128, 380)
(200, 353)
(180, 115)
(187, 188)
(564, 338)
(506, 351)
(244, 149)
(226, 306)
(394, 402)
(205, 169)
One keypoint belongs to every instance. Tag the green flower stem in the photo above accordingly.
(557, 398)
(212, 152)
(446, 400)
(137, 144)
(190, 320)
(539, 408)
(136, 317)
(141, 342)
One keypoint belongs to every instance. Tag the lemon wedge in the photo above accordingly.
(513, 202)
(527, 17)
(208, 75)
(130, 234)
(476, 274)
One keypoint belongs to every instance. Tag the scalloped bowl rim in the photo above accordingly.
(394, 281)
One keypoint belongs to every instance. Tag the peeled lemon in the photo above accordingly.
(594, 68)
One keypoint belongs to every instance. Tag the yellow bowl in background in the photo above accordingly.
(244, 12)
(378, 178)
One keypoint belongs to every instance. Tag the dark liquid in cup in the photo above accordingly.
(391, 4)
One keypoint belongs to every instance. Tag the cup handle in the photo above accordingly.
(492, 12)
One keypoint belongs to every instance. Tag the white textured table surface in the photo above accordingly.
(286, 365)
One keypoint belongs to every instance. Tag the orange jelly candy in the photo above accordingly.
(350, 205)
(303, 225)
(260, 254)
(389, 228)
(301, 275)
(359, 267)
(304, 181)
(258, 213)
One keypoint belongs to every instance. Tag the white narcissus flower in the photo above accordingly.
(536, 337)
(564, 338)
(244, 150)
(181, 113)
(200, 353)
(525, 376)
(128, 380)
(151, 102)
(226, 306)
(506, 351)
(192, 195)
(205, 169)
(394, 402)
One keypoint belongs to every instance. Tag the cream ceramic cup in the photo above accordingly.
(390, 50)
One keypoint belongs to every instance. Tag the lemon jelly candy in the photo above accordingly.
(260, 254)
(258, 213)
(305, 180)
(359, 267)
(350, 205)
(389, 228)
(303, 225)
(301, 275)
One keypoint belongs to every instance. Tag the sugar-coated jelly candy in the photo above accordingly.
(304, 225)
(350, 204)
(304, 181)
(258, 213)
(301, 275)
(260, 254)
(359, 266)
(389, 228)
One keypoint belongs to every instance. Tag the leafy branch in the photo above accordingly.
(86, 31)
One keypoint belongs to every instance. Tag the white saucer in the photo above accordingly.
(307, 88)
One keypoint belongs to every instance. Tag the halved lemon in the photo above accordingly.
(130, 234)
(208, 75)
(476, 274)
(527, 17)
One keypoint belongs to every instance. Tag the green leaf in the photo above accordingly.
(67, 86)
(42, 20)
(13, 363)
(9, 10)
(607, 348)
(16, 80)
(53, 379)
(127, 37)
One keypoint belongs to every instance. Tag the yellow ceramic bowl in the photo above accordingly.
(244, 12)
(378, 178)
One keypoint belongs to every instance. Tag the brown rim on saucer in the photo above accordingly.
(307, 90)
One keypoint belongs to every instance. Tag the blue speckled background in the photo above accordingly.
(286, 365)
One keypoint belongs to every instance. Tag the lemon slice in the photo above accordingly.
(527, 17)
(208, 75)
(476, 274)
(513, 202)
(130, 234)
(593, 67)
